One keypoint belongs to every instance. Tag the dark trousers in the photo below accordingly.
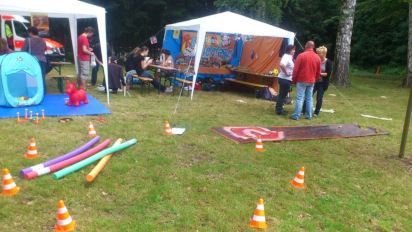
(43, 74)
(95, 70)
(284, 88)
(319, 90)
(155, 83)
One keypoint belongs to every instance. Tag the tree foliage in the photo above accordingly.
(264, 10)
(380, 34)
(317, 21)
(131, 22)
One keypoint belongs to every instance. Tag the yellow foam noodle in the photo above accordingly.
(90, 177)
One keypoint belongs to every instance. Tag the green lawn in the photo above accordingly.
(201, 181)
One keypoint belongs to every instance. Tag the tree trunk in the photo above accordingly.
(340, 73)
(261, 10)
(407, 82)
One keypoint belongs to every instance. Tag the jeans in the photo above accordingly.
(284, 88)
(129, 78)
(319, 97)
(303, 89)
(154, 82)
(94, 73)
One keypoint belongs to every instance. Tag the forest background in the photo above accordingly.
(379, 36)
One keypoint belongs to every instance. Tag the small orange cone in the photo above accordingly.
(378, 70)
(9, 187)
(299, 179)
(32, 150)
(92, 132)
(168, 129)
(64, 221)
(259, 144)
(259, 219)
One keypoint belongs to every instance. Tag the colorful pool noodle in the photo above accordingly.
(60, 158)
(96, 170)
(67, 162)
(91, 159)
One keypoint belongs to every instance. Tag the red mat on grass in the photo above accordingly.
(278, 133)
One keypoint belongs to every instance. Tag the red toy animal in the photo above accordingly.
(75, 96)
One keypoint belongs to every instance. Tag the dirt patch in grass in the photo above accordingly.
(202, 158)
(406, 162)
(189, 147)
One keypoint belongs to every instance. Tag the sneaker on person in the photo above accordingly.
(296, 119)
(169, 89)
(120, 90)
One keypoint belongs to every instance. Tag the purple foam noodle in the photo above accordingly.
(60, 158)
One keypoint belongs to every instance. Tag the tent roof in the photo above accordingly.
(228, 22)
(54, 9)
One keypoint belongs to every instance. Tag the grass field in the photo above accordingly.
(201, 181)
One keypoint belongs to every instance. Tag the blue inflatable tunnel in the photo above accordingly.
(21, 82)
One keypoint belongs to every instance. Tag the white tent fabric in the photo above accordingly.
(71, 9)
(226, 22)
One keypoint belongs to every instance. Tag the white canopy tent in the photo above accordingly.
(226, 22)
(71, 9)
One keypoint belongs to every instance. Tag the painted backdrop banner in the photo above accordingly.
(188, 44)
(218, 49)
(41, 22)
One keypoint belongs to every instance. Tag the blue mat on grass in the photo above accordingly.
(54, 105)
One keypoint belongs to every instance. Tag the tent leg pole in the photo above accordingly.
(406, 126)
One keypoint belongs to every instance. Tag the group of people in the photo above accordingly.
(310, 73)
(137, 62)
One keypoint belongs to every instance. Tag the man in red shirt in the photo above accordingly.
(83, 56)
(305, 73)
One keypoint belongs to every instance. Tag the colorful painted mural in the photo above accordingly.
(218, 49)
(188, 43)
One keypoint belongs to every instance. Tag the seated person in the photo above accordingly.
(129, 67)
(139, 65)
(115, 74)
(167, 61)
(166, 58)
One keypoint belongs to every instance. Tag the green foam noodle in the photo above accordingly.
(59, 174)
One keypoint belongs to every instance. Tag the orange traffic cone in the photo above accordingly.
(92, 132)
(32, 150)
(9, 187)
(259, 219)
(259, 144)
(299, 179)
(378, 70)
(64, 221)
(168, 129)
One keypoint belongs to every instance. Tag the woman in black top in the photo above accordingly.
(139, 65)
(322, 83)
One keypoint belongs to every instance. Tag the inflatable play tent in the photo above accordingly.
(21, 82)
